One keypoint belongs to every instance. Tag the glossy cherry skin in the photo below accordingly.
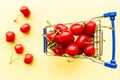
(10, 36)
(25, 11)
(19, 48)
(81, 39)
(72, 49)
(89, 50)
(28, 58)
(90, 28)
(77, 29)
(64, 38)
(25, 28)
(61, 27)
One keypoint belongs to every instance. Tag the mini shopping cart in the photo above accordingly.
(98, 36)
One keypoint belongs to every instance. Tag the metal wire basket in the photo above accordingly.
(97, 38)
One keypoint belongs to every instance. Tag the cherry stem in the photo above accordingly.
(51, 43)
(71, 60)
(53, 26)
(12, 60)
(94, 42)
(15, 20)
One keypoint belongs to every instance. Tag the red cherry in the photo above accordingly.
(25, 28)
(28, 58)
(10, 36)
(58, 49)
(25, 11)
(19, 48)
(72, 49)
(64, 38)
(61, 27)
(81, 39)
(77, 28)
(90, 28)
(51, 36)
(89, 50)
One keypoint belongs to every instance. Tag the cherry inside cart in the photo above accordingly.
(98, 36)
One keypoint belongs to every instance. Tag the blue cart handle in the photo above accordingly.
(112, 63)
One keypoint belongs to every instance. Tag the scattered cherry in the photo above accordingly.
(28, 58)
(19, 48)
(25, 28)
(77, 28)
(25, 11)
(10, 36)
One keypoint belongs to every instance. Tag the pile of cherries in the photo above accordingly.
(10, 37)
(73, 40)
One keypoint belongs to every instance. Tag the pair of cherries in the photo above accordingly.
(25, 28)
(19, 49)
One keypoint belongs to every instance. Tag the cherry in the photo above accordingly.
(77, 28)
(90, 28)
(72, 49)
(64, 38)
(81, 39)
(25, 28)
(58, 49)
(89, 50)
(61, 27)
(28, 58)
(51, 36)
(25, 11)
(19, 48)
(10, 36)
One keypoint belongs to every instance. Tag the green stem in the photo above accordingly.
(52, 26)
(11, 58)
(15, 20)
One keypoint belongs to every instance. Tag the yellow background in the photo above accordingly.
(54, 68)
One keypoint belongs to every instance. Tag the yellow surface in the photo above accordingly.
(54, 68)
